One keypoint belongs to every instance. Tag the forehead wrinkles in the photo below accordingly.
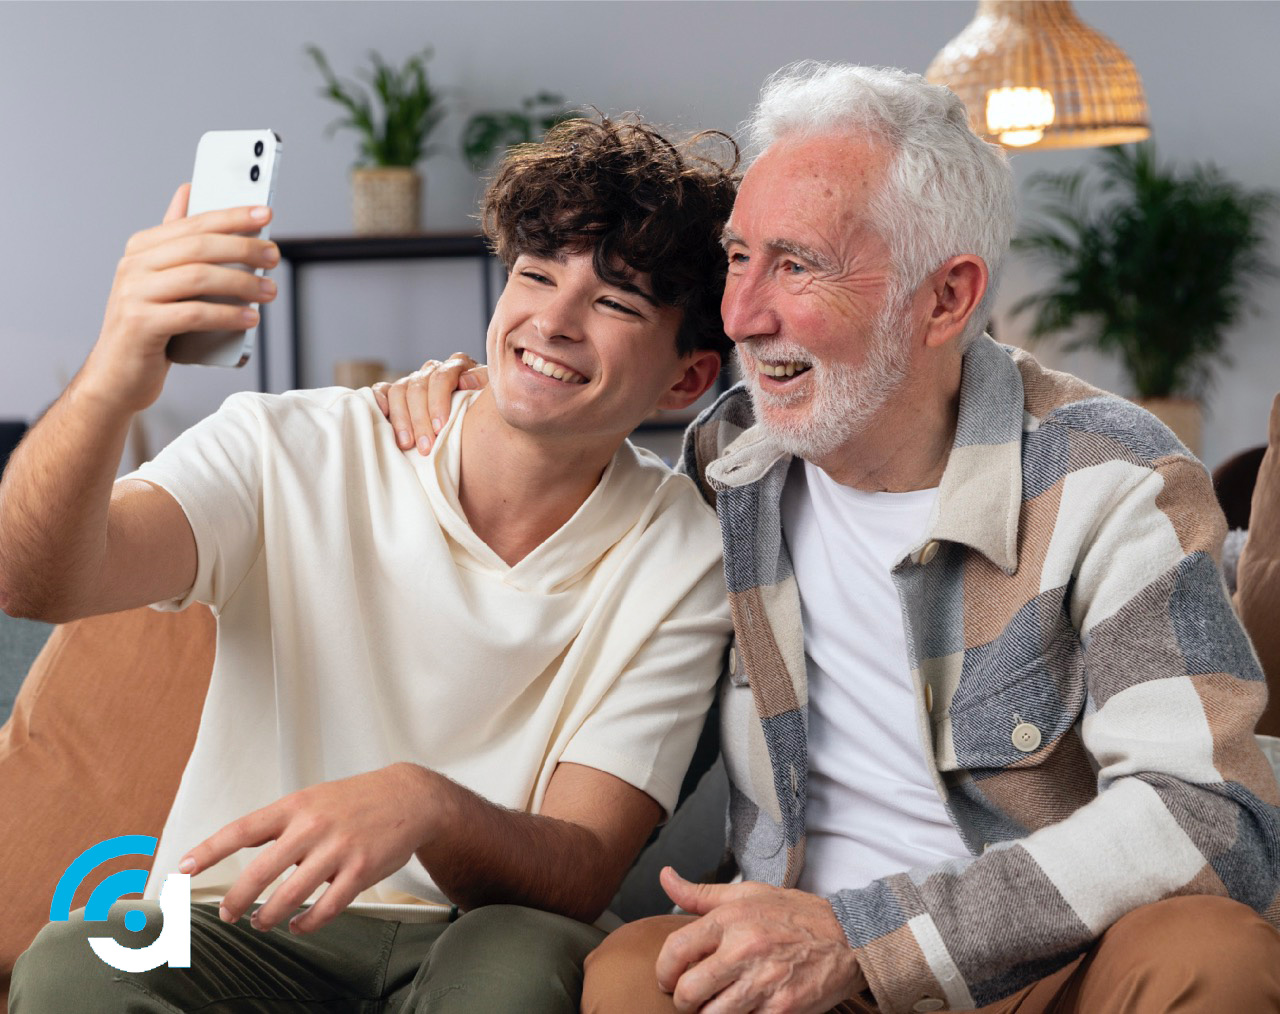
(811, 192)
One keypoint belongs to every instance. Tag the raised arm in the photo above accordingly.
(73, 543)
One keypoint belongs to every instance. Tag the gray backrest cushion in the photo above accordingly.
(20, 643)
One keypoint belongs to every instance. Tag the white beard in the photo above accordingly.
(844, 398)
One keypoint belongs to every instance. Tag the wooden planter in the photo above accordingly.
(1185, 416)
(386, 201)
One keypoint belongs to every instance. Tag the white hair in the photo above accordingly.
(946, 192)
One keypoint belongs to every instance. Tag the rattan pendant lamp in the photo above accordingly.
(1033, 75)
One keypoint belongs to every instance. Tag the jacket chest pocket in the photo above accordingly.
(1013, 699)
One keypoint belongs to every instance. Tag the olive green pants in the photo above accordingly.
(498, 958)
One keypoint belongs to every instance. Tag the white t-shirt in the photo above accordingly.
(872, 807)
(361, 622)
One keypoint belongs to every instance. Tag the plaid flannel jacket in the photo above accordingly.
(1085, 695)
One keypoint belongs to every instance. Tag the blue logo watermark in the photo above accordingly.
(172, 946)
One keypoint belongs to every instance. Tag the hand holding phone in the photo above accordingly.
(233, 168)
(197, 273)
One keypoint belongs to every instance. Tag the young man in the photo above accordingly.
(464, 683)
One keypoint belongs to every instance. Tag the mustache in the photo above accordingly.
(773, 349)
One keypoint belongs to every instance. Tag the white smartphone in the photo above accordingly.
(233, 168)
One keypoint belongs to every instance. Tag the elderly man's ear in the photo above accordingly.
(956, 288)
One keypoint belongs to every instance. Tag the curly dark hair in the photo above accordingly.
(640, 203)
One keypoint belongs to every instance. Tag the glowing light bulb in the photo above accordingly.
(1018, 116)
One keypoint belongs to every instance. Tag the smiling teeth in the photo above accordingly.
(780, 369)
(554, 370)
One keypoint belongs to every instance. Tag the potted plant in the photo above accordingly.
(494, 130)
(386, 188)
(1150, 265)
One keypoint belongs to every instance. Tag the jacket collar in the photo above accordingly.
(980, 495)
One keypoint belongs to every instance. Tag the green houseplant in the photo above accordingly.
(1151, 266)
(494, 130)
(394, 116)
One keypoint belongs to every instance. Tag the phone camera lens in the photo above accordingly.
(258, 149)
(254, 174)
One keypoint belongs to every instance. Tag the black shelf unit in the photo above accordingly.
(299, 252)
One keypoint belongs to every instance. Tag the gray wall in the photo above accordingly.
(103, 103)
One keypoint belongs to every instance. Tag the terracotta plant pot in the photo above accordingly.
(1185, 416)
(386, 200)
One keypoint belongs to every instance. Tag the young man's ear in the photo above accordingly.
(957, 289)
(700, 372)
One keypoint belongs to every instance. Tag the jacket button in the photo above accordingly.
(1026, 737)
(926, 556)
(929, 1003)
(733, 659)
(928, 698)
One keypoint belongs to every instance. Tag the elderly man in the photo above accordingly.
(990, 715)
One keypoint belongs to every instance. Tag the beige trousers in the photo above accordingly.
(1197, 953)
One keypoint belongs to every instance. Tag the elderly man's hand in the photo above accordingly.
(756, 948)
(418, 405)
(349, 833)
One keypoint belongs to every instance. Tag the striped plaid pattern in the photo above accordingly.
(1076, 589)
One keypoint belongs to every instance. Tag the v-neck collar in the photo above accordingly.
(609, 512)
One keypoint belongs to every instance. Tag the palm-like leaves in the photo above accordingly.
(489, 132)
(1154, 266)
(410, 109)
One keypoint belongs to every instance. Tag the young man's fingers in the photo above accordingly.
(197, 315)
(178, 204)
(204, 281)
(337, 896)
(209, 248)
(255, 828)
(286, 899)
(247, 219)
(255, 878)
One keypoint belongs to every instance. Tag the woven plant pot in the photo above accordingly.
(386, 200)
(1184, 416)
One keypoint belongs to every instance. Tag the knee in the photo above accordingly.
(56, 969)
(1205, 923)
(507, 957)
(623, 967)
(1212, 939)
(508, 933)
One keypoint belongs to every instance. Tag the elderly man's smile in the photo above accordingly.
(782, 369)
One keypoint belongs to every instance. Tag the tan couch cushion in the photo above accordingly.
(99, 735)
(1258, 574)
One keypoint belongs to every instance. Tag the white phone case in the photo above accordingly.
(224, 178)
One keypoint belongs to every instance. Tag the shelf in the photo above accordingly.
(300, 251)
(422, 246)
